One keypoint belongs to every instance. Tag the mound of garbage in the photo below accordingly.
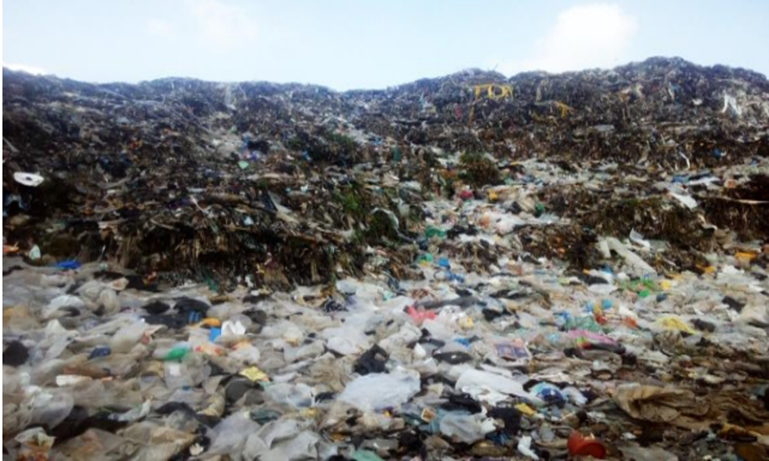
(198, 180)
(543, 266)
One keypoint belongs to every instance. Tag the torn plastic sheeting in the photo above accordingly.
(303, 446)
(231, 434)
(631, 258)
(61, 302)
(685, 200)
(477, 378)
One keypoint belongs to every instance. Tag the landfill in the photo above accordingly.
(547, 266)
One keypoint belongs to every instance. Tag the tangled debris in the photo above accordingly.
(194, 180)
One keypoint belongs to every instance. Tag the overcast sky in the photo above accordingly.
(369, 43)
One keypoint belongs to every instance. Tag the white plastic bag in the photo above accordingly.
(376, 391)
(472, 378)
(466, 428)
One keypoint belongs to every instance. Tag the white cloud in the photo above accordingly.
(160, 28)
(222, 24)
(584, 36)
(25, 68)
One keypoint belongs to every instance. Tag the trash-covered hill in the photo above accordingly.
(202, 180)
(542, 267)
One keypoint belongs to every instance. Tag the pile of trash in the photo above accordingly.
(540, 267)
(193, 180)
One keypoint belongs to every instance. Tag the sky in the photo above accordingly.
(345, 44)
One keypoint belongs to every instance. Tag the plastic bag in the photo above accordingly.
(60, 302)
(476, 378)
(376, 391)
(303, 446)
(35, 445)
(230, 435)
(466, 428)
(126, 338)
(108, 299)
(293, 395)
(50, 408)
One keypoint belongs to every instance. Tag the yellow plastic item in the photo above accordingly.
(563, 107)
(491, 90)
(491, 93)
(706, 269)
(525, 409)
(254, 374)
(670, 322)
(309, 413)
(493, 197)
(665, 284)
(466, 322)
(745, 255)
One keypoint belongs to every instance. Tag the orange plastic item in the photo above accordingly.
(210, 322)
(580, 445)
(599, 318)
(10, 249)
(630, 322)
(745, 255)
